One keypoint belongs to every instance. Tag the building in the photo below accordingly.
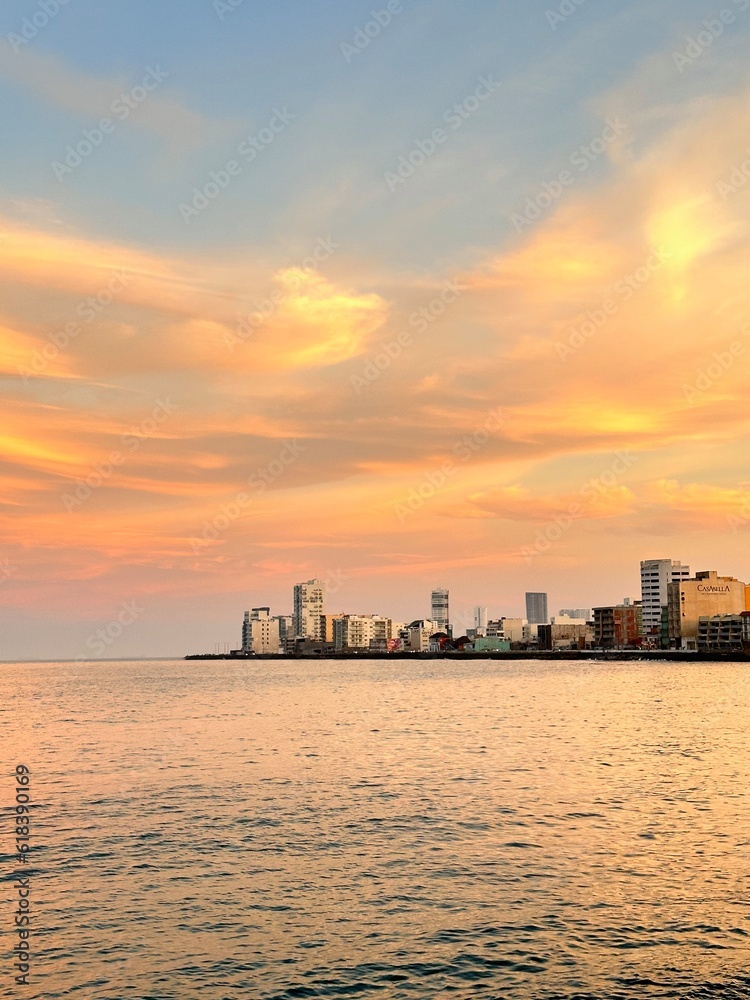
(286, 627)
(618, 626)
(480, 620)
(490, 644)
(260, 632)
(356, 632)
(352, 632)
(656, 576)
(584, 613)
(439, 610)
(309, 606)
(724, 633)
(536, 609)
(309, 647)
(566, 633)
(247, 634)
(418, 635)
(511, 629)
(384, 631)
(704, 596)
(530, 634)
(327, 623)
(570, 620)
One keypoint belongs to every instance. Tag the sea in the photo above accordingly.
(341, 829)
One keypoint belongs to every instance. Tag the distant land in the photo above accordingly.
(566, 654)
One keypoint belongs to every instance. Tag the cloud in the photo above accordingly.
(182, 327)
(91, 98)
(514, 503)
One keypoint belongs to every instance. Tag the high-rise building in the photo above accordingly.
(480, 620)
(705, 596)
(656, 575)
(440, 612)
(536, 609)
(309, 606)
(247, 634)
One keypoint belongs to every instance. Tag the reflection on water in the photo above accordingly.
(283, 830)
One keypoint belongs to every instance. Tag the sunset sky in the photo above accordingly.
(502, 257)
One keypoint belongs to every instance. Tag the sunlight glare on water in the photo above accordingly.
(406, 830)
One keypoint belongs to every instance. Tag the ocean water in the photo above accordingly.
(281, 830)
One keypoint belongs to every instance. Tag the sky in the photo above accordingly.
(399, 296)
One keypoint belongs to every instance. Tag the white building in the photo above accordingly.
(480, 620)
(363, 632)
(656, 575)
(353, 632)
(260, 632)
(309, 605)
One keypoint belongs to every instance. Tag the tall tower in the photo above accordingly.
(247, 634)
(440, 614)
(309, 605)
(480, 619)
(536, 609)
(656, 575)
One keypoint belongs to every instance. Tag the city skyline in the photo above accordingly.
(668, 590)
(707, 611)
(257, 325)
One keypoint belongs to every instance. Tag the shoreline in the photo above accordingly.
(622, 655)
